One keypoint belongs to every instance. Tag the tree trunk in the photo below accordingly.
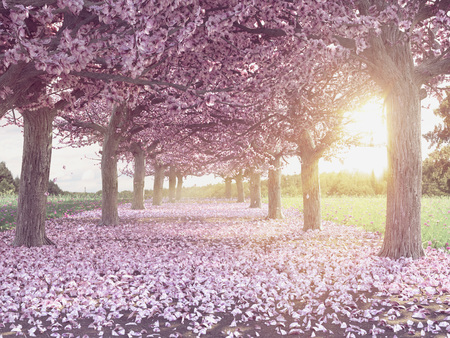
(391, 64)
(274, 187)
(309, 157)
(138, 177)
(403, 236)
(240, 187)
(158, 184)
(172, 183)
(255, 189)
(311, 193)
(110, 185)
(228, 181)
(179, 186)
(37, 152)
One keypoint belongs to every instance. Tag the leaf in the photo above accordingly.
(418, 315)
(295, 331)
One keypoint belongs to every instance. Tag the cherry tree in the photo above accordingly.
(41, 42)
(255, 187)
(140, 153)
(103, 120)
(228, 181)
(337, 89)
(120, 41)
(404, 46)
(253, 150)
(132, 122)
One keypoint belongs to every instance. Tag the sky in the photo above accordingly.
(78, 169)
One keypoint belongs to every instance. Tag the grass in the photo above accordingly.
(366, 212)
(370, 214)
(57, 206)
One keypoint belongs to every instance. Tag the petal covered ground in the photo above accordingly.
(216, 270)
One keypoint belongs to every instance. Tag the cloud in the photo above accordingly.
(88, 175)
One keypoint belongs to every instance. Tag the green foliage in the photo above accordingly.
(125, 194)
(337, 184)
(332, 184)
(216, 191)
(7, 188)
(291, 185)
(441, 133)
(7, 185)
(10, 185)
(436, 172)
(53, 189)
(351, 184)
(209, 191)
(16, 184)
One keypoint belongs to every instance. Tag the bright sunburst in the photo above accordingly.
(369, 122)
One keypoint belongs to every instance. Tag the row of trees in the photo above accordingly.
(222, 86)
(340, 184)
(436, 180)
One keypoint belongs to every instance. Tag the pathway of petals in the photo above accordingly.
(217, 270)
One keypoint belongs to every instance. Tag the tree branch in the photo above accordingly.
(144, 82)
(87, 125)
(427, 11)
(431, 68)
(345, 42)
(272, 32)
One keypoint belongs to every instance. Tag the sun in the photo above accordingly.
(369, 123)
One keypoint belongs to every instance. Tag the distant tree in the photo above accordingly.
(441, 133)
(228, 181)
(436, 172)
(255, 188)
(6, 188)
(172, 183)
(16, 185)
(7, 185)
(53, 189)
(376, 184)
(239, 178)
(274, 189)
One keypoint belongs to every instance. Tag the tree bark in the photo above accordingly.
(179, 186)
(239, 178)
(158, 184)
(228, 181)
(310, 156)
(255, 189)
(172, 183)
(274, 187)
(110, 185)
(391, 64)
(32, 201)
(311, 194)
(138, 177)
(403, 236)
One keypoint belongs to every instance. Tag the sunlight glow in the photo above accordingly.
(370, 123)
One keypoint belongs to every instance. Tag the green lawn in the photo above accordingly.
(57, 206)
(370, 214)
